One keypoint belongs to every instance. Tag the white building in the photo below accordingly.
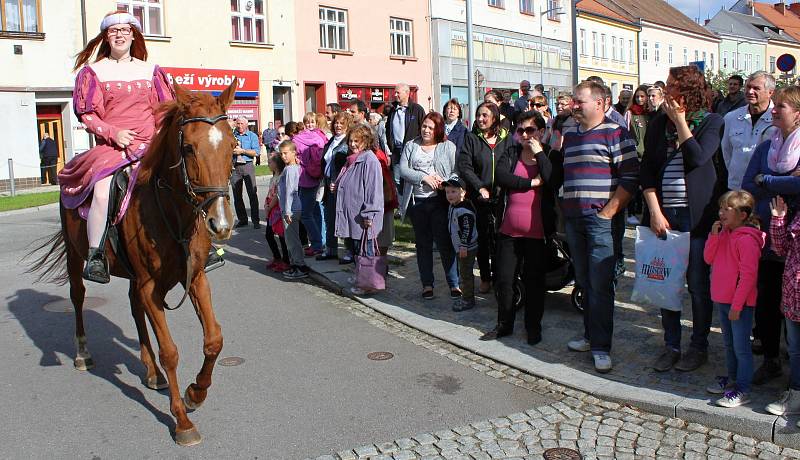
(506, 44)
(39, 41)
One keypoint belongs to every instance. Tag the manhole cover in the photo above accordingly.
(561, 453)
(231, 361)
(380, 355)
(65, 305)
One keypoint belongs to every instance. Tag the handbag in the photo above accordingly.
(370, 269)
(661, 268)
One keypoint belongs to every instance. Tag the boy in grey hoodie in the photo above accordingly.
(289, 199)
(464, 234)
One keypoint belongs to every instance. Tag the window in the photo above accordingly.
(685, 56)
(333, 29)
(594, 44)
(554, 6)
(603, 46)
(21, 16)
(149, 13)
(497, 3)
(644, 51)
(583, 42)
(696, 55)
(622, 50)
(724, 59)
(526, 6)
(401, 35)
(613, 48)
(772, 64)
(711, 62)
(657, 52)
(669, 55)
(704, 56)
(630, 51)
(757, 62)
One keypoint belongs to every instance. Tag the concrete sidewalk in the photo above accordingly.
(638, 339)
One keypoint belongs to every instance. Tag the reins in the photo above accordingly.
(191, 198)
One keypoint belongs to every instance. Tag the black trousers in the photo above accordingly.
(49, 170)
(483, 224)
(245, 175)
(281, 253)
(531, 254)
(769, 318)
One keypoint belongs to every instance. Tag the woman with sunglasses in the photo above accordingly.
(526, 179)
(116, 97)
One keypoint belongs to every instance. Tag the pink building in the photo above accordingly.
(355, 49)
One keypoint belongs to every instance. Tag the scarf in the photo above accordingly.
(784, 153)
(692, 119)
(637, 109)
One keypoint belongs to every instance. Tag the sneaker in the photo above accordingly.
(455, 293)
(789, 404)
(427, 294)
(733, 398)
(580, 344)
(722, 385)
(768, 371)
(633, 220)
(691, 360)
(280, 266)
(461, 305)
(309, 252)
(667, 359)
(295, 274)
(602, 362)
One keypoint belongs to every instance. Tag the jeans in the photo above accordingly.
(618, 228)
(591, 241)
(738, 353)
(793, 335)
(245, 174)
(311, 216)
(699, 282)
(429, 220)
(329, 206)
(369, 250)
(769, 318)
(530, 252)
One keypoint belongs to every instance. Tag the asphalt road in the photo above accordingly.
(306, 386)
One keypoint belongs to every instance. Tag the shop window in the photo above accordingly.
(149, 13)
(458, 48)
(526, 6)
(401, 35)
(515, 55)
(554, 8)
(497, 3)
(332, 29)
(20, 18)
(249, 21)
(494, 52)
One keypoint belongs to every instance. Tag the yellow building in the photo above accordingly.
(775, 49)
(204, 47)
(607, 46)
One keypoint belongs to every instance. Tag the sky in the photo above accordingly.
(707, 8)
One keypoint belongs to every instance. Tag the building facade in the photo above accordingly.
(362, 50)
(781, 22)
(743, 42)
(608, 46)
(39, 40)
(508, 39)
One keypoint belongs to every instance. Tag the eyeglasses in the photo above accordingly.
(538, 105)
(119, 31)
(530, 131)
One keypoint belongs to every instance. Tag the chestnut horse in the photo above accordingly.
(179, 202)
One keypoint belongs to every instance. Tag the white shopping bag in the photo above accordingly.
(661, 268)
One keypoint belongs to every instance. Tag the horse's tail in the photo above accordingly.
(52, 265)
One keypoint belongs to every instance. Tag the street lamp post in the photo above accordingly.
(558, 12)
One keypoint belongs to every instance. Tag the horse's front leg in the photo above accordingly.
(200, 293)
(153, 379)
(153, 302)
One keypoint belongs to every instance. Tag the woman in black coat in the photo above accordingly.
(334, 156)
(454, 128)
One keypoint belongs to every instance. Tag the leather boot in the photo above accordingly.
(96, 267)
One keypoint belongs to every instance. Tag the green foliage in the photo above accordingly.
(719, 80)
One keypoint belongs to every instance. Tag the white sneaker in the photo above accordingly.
(733, 398)
(580, 344)
(602, 362)
(789, 404)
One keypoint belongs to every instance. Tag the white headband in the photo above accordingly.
(120, 18)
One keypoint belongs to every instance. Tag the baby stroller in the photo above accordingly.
(560, 273)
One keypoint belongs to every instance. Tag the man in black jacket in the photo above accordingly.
(402, 125)
(48, 154)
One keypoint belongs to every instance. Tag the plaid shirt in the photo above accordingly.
(786, 242)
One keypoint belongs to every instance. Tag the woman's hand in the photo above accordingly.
(733, 315)
(658, 223)
(125, 137)
(778, 207)
(366, 223)
(674, 110)
(433, 181)
(716, 227)
(333, 187)
(534, 145)
(484, 193)
(537, 181)
(288, 219)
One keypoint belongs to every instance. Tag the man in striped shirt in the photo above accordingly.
(601, 173)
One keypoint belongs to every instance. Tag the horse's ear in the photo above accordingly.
(182, 95)
(226, 98)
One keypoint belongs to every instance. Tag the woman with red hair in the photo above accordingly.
(116, 97)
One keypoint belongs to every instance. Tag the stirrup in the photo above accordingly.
(96, 268)
(215, 259)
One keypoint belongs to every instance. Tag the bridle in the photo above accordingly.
(197, 203)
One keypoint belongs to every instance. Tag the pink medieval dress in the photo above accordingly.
(105, 108)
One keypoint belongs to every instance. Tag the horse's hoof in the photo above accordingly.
(187, 401)
(188, 438)
(156, 382)
(83, 363)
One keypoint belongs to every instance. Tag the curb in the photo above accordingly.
(744, 421)
(29, 210)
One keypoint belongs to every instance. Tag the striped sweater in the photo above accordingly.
(595, 163)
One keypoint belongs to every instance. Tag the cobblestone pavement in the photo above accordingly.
(595, 428)
(638, 337)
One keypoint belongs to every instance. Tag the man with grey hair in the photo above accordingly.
(244, 172)
(748, 126)
(402, 125)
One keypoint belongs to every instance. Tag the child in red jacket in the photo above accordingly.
(733, 249)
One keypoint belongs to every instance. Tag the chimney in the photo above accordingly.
(781, 7)
(750, 6)
(795, 8)
(705, 23)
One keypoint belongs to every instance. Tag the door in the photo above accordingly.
(54, 128)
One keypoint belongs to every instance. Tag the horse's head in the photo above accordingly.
(206, 143)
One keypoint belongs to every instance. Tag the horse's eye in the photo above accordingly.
(187, 149)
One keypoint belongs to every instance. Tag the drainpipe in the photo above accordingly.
(83, 22)
(574, 13)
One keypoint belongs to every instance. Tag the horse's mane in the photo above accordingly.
(159, 147)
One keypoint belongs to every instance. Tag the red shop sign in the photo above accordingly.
(213, 79)
(351, 94)
(248, 111)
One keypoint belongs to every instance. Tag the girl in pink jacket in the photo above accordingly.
(733, 249)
